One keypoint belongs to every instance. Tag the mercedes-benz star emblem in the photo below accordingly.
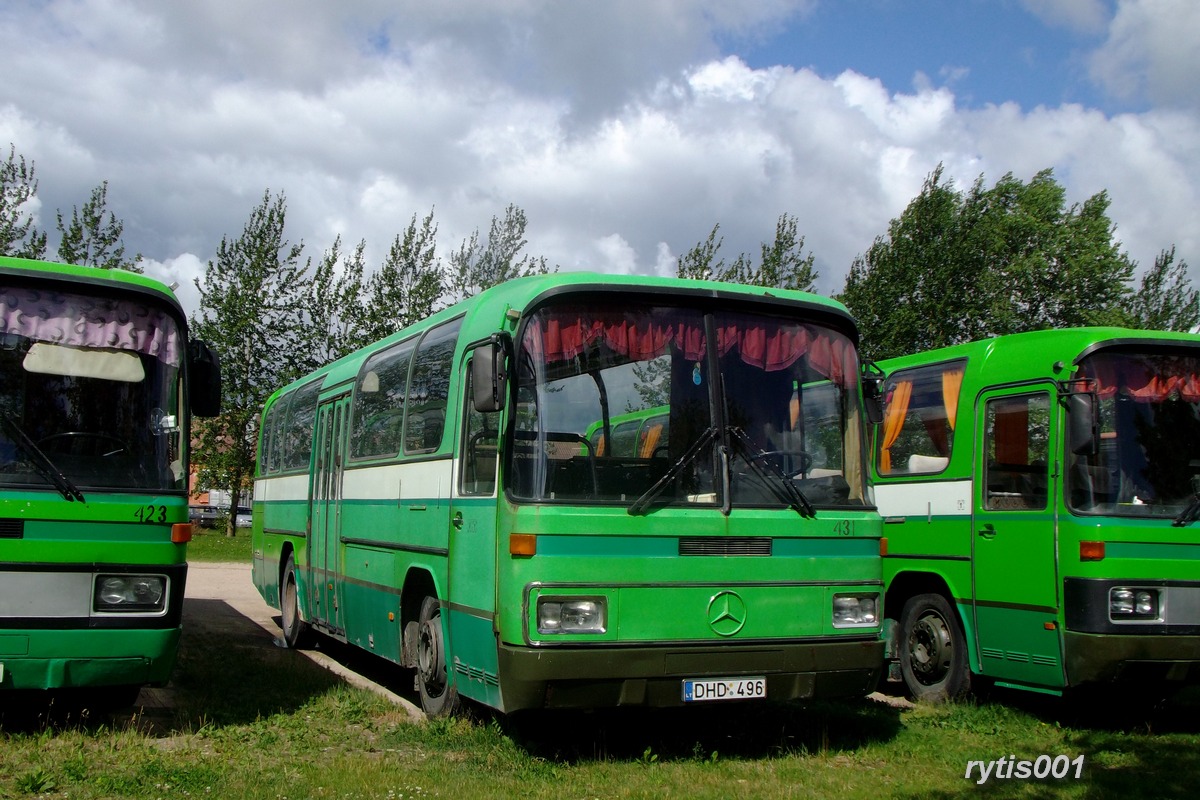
(726, 613)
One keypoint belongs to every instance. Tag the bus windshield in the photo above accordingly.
(90, 394)
(614, 398)
(1145, 464)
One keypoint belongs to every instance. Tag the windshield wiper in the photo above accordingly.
(1189, 514)
(41, 462)
(784, 487)
(706, 438)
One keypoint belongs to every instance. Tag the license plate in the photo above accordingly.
(695, 691)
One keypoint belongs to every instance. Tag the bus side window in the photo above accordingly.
(378, 411)
(920, 413)
(1016, 471)
(429, 390)
(272, 438)
(297, 434)
(480, 444)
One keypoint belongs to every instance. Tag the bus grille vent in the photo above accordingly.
(725, 546)
(12, 528)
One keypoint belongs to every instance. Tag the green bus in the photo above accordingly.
(1039, 494)
(98, 384)
(436, 499)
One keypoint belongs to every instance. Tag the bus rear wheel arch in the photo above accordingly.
(933, 652)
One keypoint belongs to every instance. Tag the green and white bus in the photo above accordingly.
(97, 383)
(435, 499)
(1040, 493)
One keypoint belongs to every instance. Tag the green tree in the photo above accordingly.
(408, 285)
(333, 304)
(701, 262)
(91, 239)
(1166, 301)
(475, 267)
(782, 264)
(253, 304)
(960, 266)
(18, 188)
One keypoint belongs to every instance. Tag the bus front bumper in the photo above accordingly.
(653, 676)
(1105, 658)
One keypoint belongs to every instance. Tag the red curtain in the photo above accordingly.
(769, 346)
(1141, 380)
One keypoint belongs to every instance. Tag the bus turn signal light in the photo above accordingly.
(181, 532)
(1091, 551)
(522, 544)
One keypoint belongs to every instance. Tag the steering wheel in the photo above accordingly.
(104, 444)
(801, 457)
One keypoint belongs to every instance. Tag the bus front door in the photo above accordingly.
(1014, 567)
(332, 418)
(472, 552)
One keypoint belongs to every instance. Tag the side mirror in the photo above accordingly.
(1083, 427)
(872, 392)
(489, 378)
(204, 379)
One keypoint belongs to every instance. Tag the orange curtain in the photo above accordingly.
(893, 421)
(650, 441)
(951, 384)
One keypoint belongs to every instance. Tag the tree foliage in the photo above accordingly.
(91, 239)
(475, 266)
(781, 265)
(18, 190)
(961, 266)
(1166, 301)
(253, 301)
(407, 287)
(333, 305)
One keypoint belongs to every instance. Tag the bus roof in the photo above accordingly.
(112, 279)
(1036, 353)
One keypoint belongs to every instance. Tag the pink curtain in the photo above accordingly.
(81, 321)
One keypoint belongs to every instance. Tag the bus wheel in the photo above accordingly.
(295, 629)
(933, 654)
(438, 697)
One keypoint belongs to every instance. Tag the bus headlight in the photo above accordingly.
(1130, 603)
(140, 593)
(571, 615)
(855, 610)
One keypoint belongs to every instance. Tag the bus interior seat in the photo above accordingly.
(918, 463)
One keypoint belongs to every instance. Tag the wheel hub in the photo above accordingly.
(431, 665)
(930, 647)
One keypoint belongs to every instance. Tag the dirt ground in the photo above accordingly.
(221, 598)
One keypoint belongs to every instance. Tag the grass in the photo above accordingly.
(257, 721)
(211, 544)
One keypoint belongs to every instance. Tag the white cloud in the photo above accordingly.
(181, 274)
(364, 114)
(1082, 16)
(1151, 53)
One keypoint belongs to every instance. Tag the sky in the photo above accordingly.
(624, 129)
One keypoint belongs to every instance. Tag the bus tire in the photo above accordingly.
(439, 698)
(295, 629)
(933, 652)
